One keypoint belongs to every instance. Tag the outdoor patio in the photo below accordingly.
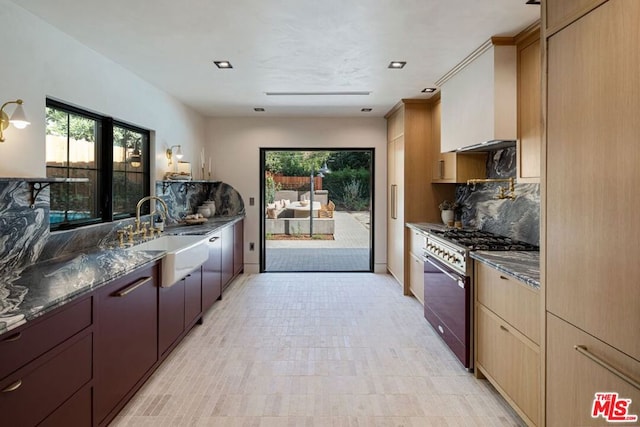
(349, 251)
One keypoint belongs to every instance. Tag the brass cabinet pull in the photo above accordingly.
(394, 201)
(441, 171)
(582, 349)
(503, 328)
(133, 287)
(12, 387)
(14, 337)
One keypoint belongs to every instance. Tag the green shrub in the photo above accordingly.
(348, 188)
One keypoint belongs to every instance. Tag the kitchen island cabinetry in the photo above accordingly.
(529, 143)
(590, 221)
(410, 196)
(507, 337)
(46, 376)
(126, 340)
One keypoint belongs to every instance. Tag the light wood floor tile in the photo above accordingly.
(309, 350)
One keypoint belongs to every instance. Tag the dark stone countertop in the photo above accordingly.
(523, 265)
(46, 285)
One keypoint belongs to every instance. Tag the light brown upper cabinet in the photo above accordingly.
(454, 168)
(562, 12)
(529, 107)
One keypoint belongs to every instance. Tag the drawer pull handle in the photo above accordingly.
(615, 371)
(503, 328)
(504, 278)
(14, 337)
(213, 239)
(133, 287)
(13, 387)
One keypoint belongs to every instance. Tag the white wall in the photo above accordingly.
(38, 60)
(235, 145)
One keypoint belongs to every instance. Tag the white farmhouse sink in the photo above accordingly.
(183, 255)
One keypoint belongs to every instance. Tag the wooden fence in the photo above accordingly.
(296, 182)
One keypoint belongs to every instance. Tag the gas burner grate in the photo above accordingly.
(482, 240)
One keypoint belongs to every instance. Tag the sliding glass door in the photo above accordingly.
(317, 210)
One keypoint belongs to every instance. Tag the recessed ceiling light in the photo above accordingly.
(397, 64)
(223, 64)
(366, 110)
(259, 110)
(429, 90)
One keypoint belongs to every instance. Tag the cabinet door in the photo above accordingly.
(126, 338)
(238, 247)
(192, 297)
(212, 273)
(573, 378)
(510, 361)
(515, 302)
(395, 252)
(529, 111)
(34, 392)
(171, 315)
(227, 243)
(592, 175)
(416, 277)
(561, 12)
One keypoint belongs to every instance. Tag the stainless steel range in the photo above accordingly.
(448, 283)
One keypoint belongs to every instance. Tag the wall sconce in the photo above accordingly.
(170, 153)
(135, 159)
(18, 118)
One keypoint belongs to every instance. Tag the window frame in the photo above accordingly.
(105, 167)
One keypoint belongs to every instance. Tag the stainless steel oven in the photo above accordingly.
(447, 307)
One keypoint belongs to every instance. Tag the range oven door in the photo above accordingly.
(447, 307)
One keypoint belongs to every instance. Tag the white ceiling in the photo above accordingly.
(286, 46)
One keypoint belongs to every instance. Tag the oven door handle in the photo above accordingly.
(451, 276)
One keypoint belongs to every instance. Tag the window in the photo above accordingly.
(112, 155)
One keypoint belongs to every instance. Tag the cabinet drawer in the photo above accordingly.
(512, 300)
(510, 361)
(42, 386)
(573, 379)
(74, 412)
(417, 242)
(17, 348)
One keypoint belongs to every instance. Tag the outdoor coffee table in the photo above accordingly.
(300, 211)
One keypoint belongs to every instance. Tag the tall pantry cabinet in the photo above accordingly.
(590, 265)
(410, 195)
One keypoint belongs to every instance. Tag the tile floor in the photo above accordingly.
(315, 349)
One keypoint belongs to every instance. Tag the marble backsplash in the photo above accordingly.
(479, 207)
(183, 198)
(23, 232)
